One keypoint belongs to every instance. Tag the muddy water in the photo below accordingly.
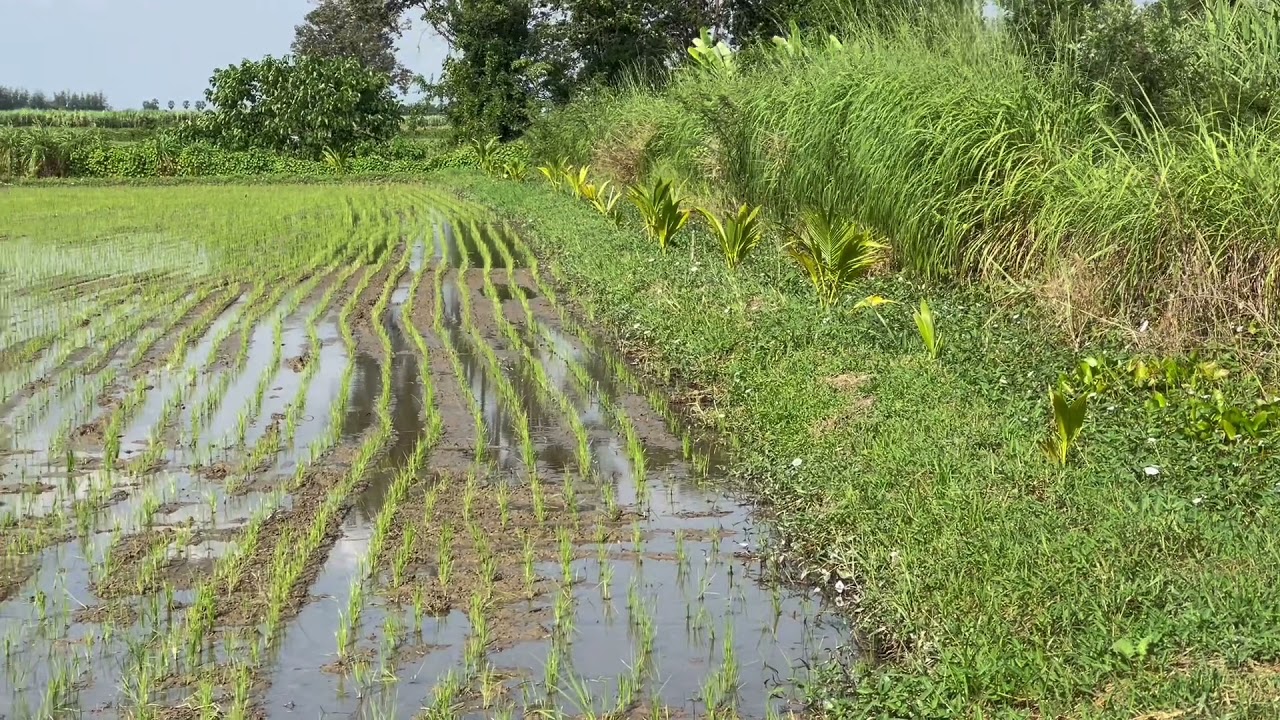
(640, 588)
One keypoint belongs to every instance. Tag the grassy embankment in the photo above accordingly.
(1140, 577)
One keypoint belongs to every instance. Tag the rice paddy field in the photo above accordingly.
(342, 451)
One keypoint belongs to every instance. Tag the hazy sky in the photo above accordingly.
(135, 50)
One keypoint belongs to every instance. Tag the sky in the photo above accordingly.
(135, 50)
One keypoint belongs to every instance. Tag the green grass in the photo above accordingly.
(948, 142)
(996, 583)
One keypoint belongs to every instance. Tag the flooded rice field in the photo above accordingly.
(396, 482)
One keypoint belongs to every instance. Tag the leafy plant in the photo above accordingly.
(300, 105)
(576, 179)
(485, 151)
(660, 210)
(515, 169)
(738, 235)
(603, 198)
(926, 323)
(335, 160)
(832, 253)
(555, 173)
(710, 54)
(1068, 421)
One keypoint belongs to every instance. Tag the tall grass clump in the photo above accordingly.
(970, 159)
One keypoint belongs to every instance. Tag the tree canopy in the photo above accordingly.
(362, 30)
(301, 105)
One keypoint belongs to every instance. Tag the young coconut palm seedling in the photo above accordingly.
(738, 234)
(832, 252)
(660, 211)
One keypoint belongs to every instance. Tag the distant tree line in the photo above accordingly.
(20, 99)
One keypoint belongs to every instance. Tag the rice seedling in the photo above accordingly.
(444, 556)
(539, 500)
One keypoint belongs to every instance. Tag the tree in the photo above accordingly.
(152, 104)
(363, 30)
(200, 105)
(186, 104)
(171, 104)
(490, 81)
(302, 105)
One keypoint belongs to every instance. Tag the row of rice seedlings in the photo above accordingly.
(254, 405)
(103, 328)
(256, 304)
(133, 399)
(97, 493)
(455, 360)
(177, 398)
(289, 566)
(618, 368)
(21, 349)
(549, 393)
(229, 571)
(506, 391)
(230, 568)
(269, 443)
(217, 392)
(294, 414)
(124, 328)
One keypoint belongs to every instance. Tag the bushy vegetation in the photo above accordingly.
(298, 105)
(44, 153)
(973, 158)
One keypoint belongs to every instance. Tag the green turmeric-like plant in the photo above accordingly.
(738, 235)
(577, 180)
(927, 324)
(603, 198)
(1068, 421)
(555, 173)
(660, 211)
